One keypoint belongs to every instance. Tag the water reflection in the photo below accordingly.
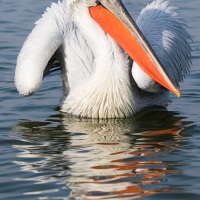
(116, 159)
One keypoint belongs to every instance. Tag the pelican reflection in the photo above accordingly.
(119, 159)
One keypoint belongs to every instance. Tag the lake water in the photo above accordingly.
(46, 155)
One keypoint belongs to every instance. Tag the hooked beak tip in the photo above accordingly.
(177, 93)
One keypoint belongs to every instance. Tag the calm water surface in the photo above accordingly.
(46, 155)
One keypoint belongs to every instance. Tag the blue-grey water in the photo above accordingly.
(47, 155)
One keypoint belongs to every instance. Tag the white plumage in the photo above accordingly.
(96, 71)
(165, 31)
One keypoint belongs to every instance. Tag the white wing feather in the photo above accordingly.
(166, 32)
(46, 37)
(54, 31)
(77, 56)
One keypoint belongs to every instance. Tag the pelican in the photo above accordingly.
(111, 66)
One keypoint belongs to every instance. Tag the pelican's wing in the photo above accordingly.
(44, 40)
(78, 59)
(55, 36)
(166, 32)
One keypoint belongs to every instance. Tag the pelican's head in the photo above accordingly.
(114, 19)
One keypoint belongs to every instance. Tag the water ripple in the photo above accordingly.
(104, 160)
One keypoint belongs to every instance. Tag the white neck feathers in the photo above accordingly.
(108, 92)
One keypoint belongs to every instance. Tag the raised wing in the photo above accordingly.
(54, 36)
(41, 44)
(166, 32)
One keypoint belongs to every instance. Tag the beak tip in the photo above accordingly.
(178, 93)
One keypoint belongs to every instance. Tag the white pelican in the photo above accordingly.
(109, 70)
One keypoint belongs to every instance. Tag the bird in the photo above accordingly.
(112, 66)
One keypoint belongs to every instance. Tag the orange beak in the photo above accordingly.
(114, 19)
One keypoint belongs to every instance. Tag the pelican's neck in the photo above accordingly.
(102, 46)
(108, 92)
